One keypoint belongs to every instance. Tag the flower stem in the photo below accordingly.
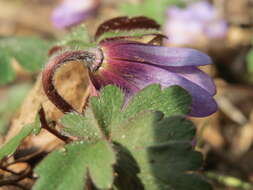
(44, 125)
(48, 73)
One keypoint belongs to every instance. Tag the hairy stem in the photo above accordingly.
(48, 73)
(44, 125)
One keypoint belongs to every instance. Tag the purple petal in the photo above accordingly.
(196, 76)
(72, 12)
(106, 77)
(154, 55)
(141, 75)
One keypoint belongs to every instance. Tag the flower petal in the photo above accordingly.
(105, 77)
(154, 55)
(141, 75)
(196, 76)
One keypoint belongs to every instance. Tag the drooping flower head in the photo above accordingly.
(72, 12)
(200, 19)
(133, 62)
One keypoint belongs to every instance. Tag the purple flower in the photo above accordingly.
(185, 26)
(133, 65)
(72, 12)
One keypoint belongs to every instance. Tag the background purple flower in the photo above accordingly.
(185, 26)
(72, 12)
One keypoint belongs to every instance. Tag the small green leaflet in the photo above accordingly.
(30, 52)
(10, 147)
(74, 125)
(155, 9)
(77, 38)
(68, 168)
(9, 105)
(173, 100)
(6, 72)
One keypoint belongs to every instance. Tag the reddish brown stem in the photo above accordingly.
(44, 125)
(56, 62)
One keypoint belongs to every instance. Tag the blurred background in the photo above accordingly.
(221, 28)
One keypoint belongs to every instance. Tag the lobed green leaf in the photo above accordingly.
(173, 100)
(85, 127)
(10, 147)
(68, 168)
(162, 149)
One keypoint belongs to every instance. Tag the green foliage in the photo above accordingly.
(171, 101)
(70, 167)
(144, 144)
(155, 9)
(108, 108)
(230, 181)
(10, 147)
(6, 72)
(77, 38)
(30, 52)
(10, 103)
(161, 147)
(91, 131)
(249, 59)
(153, 149)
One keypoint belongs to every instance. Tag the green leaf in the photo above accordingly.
(153, 150)
(162, 148)
(77, 38)
(229, 181)
(36, 125)
(10, 147)
(30, 52)
(68, 168)
(10, 104)
(84, 127)
(6, 72)
(249, 59)
(150, 8)
(174, 128)
(171, 101)
(104, 110)
(107, 110)
(107, 107)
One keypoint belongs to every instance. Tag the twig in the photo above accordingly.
(17, 178)
(8, 170)
(44, 125)
(17, 185)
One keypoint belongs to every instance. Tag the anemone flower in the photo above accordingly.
(132, 65)
(200, 19)
(72, 12)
